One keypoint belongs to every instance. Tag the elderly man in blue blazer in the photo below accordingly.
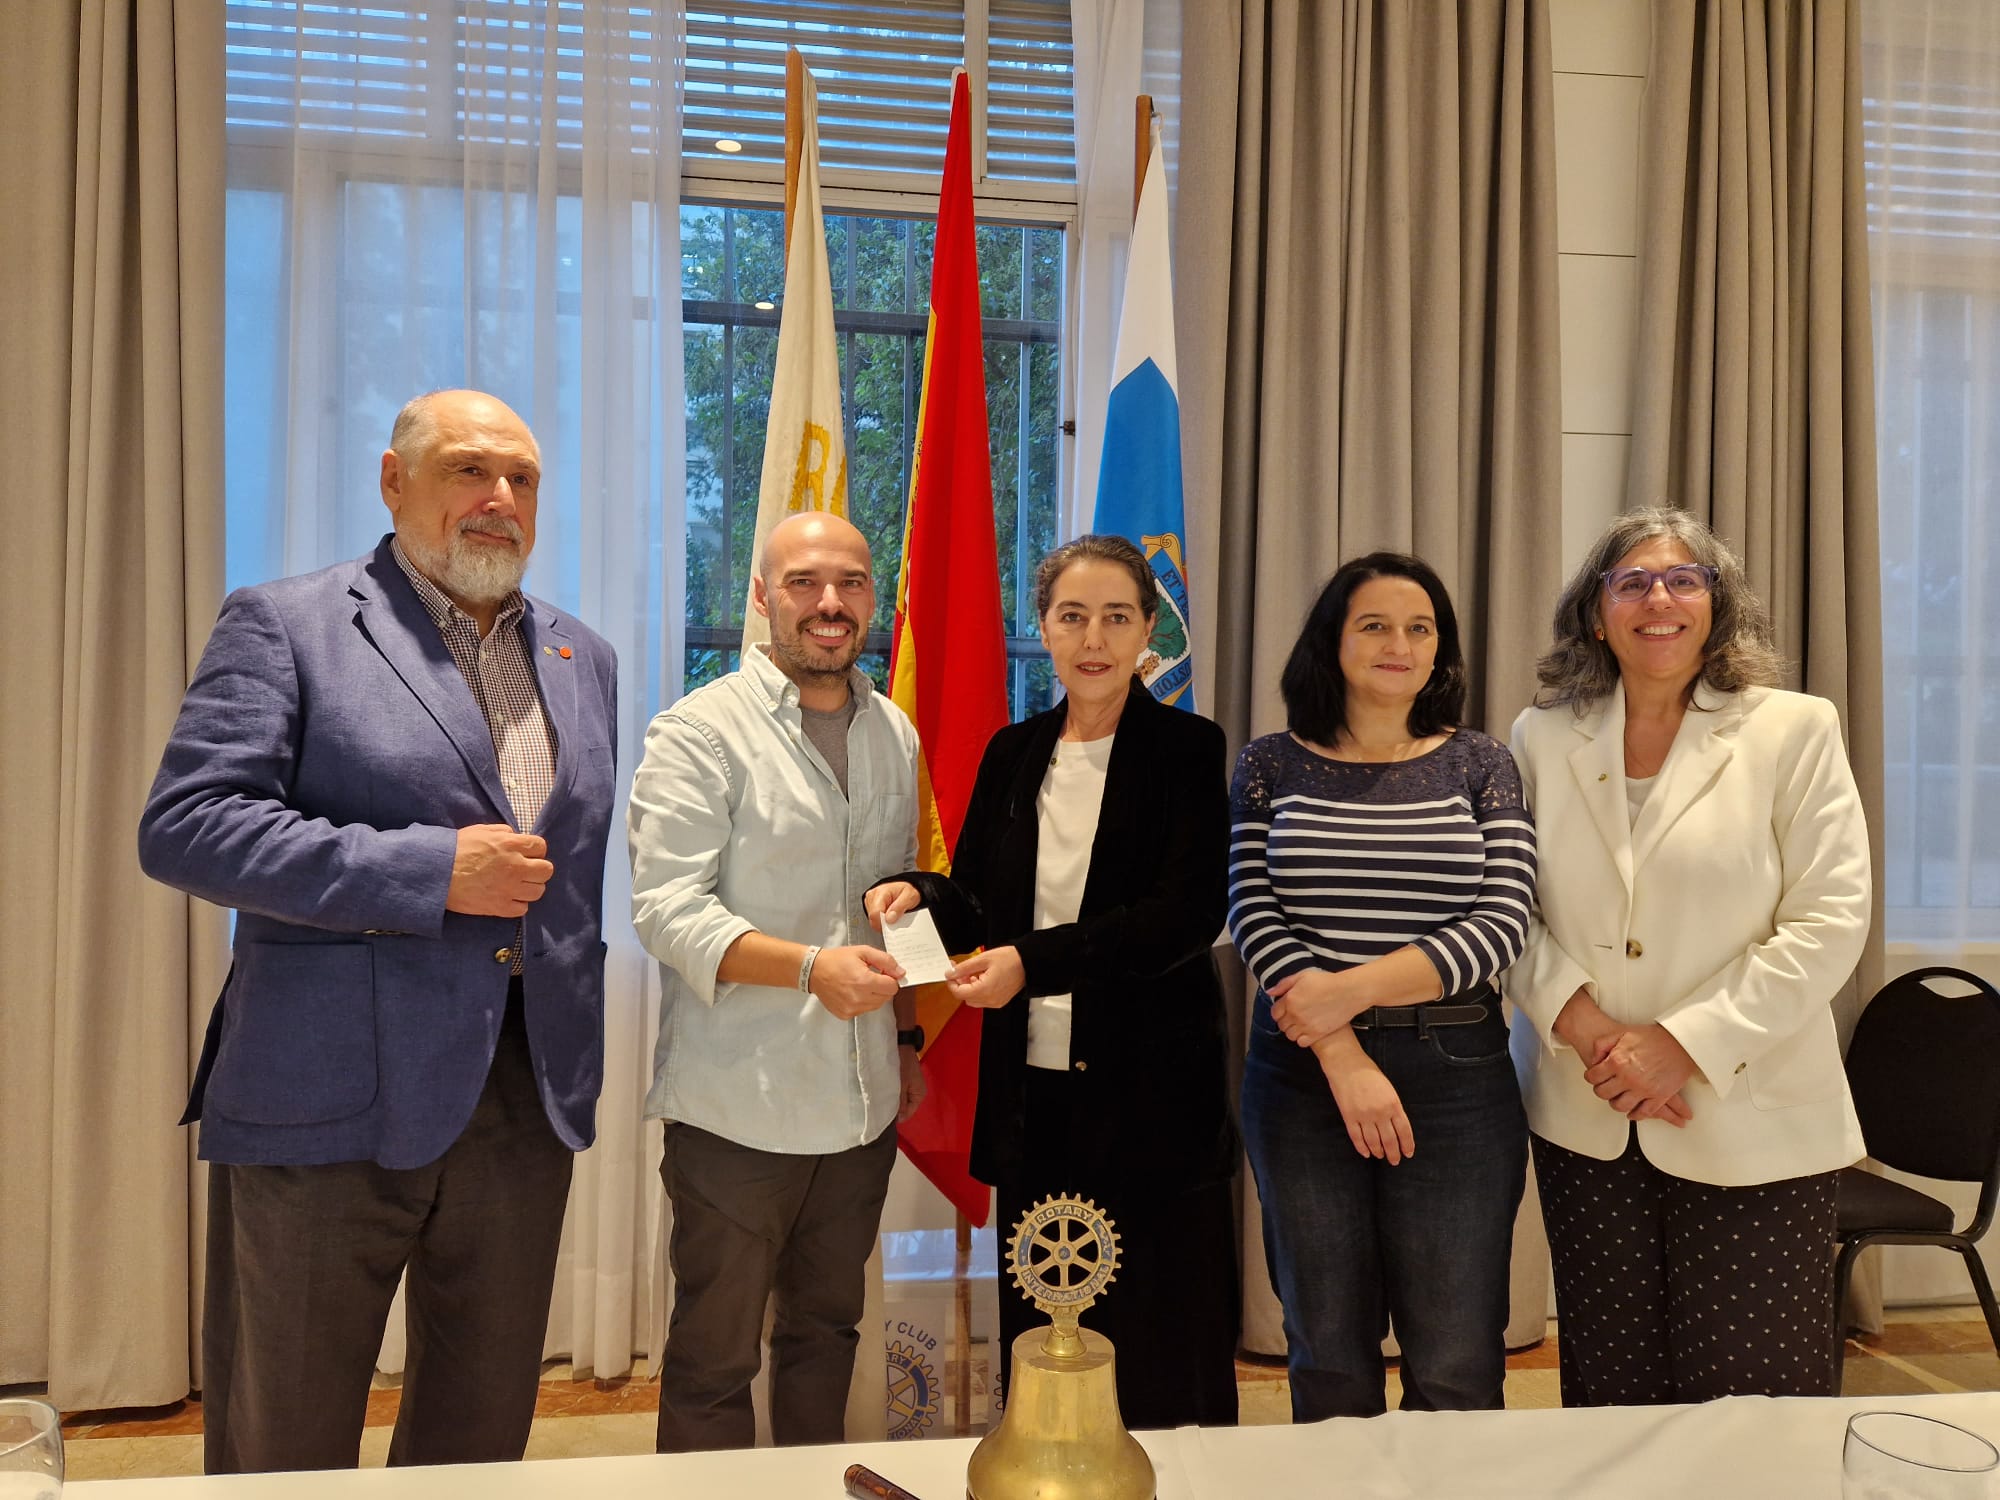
(398, 770)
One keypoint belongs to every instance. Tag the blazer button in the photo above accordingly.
(1082, 1066)
(1634, 948)
(503, 955)
(1741, 1066)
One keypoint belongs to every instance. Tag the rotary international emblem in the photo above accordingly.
(1063, 1255)
(913, 1391)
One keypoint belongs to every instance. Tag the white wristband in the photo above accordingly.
(806, 970)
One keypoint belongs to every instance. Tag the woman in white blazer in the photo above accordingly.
(1704, 894)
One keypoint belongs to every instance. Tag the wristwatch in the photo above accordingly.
(911, 1036)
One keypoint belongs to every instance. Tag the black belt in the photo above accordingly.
(1423, 1017)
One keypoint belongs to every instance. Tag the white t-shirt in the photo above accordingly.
(1636, 789)
(1071, 796)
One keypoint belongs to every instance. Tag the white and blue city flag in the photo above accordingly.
(1139, 474)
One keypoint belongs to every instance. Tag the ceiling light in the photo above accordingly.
(728, 146)
(764, 306)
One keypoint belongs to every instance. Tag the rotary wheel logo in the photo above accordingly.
(1064, 1253)
(913, 1391)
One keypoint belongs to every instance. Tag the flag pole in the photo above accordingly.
(795, 132)
(1142, 145)
(961, 1283)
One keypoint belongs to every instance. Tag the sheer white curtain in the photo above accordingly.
(1123, 48)
(486, 194)
(1931, 121)
(1931, 86)
(1107, 36)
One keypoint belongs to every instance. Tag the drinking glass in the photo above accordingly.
(1893, 1455)
(31, 1452)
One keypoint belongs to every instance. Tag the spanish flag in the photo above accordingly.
(949, 661)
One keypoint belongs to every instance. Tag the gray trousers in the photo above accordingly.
(755, 1227)
(302, 1268)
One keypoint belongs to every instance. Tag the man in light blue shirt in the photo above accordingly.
(768, 802)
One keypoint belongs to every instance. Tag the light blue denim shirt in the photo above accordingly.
(737, 825)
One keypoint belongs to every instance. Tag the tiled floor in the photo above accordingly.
(1922, 1349)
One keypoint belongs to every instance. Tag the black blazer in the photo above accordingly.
(1148, 1044)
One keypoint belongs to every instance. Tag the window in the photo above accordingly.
(881, 278)
(1931, 125)
(407, 203)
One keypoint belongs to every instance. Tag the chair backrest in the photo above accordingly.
(1924, 1069)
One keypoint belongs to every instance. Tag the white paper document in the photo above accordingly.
(912, 940)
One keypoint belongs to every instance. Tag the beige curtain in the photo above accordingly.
(1367, 312)
(1366, 304)
(1754, 393)
(111, 391)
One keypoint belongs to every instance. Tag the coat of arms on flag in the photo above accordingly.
(1168, 663)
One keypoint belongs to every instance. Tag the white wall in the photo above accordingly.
(1599, 50)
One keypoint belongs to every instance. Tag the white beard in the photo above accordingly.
(472, 571)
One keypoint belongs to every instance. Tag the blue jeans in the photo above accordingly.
(1352, 1242)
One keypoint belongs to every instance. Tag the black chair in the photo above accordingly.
(1924, 1069)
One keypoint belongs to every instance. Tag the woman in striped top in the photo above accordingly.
(1382, 869)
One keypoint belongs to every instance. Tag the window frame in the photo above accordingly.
(906, 203)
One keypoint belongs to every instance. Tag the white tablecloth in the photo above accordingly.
(1746, 1448)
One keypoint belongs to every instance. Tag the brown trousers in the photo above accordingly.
(755, 1227)
(302, 1268)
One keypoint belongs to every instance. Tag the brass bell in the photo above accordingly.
(1060, 1436)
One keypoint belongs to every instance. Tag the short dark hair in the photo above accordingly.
(1314, 688)
(1097, 547)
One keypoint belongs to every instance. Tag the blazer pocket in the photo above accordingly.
(1803, 1069)
(596, 774)
(298, 1038)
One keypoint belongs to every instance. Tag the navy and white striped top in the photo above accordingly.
(1333, 863)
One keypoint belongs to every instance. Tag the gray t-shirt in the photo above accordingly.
(828, 732)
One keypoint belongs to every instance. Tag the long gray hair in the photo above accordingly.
(1579, 668)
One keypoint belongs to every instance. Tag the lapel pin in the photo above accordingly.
(563, 652)
(548, 651)
(1603, 775)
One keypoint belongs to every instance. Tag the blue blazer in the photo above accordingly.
(326, 753)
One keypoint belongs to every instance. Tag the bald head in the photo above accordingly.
(424, 418)
(811, 531)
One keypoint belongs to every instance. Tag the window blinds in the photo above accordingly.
(476, 71)
(883, 70)
(1930, 123)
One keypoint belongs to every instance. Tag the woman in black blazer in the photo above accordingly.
(1092, 869)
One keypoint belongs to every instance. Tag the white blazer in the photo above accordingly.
(1731, 913)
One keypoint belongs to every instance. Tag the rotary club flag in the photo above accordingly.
(805, 445)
